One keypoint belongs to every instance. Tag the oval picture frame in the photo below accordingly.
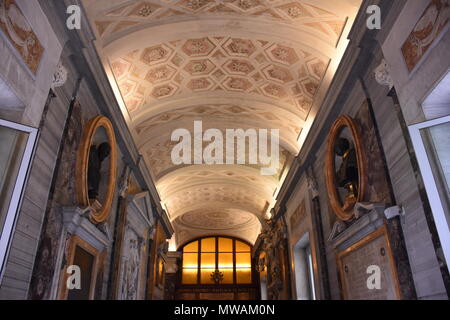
(340, 124)
(96, 216)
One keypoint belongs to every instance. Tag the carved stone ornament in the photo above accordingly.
(130, 265)
(145, 11)
(338, 227)
(125, 182)
(312, 183)
(60, 76)
(261, 265)
(163, 248)
(383, 76)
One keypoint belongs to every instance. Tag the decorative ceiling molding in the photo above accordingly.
(220, 65)
(118, 18)
(250, 64)
(220, 220)
(236, 175)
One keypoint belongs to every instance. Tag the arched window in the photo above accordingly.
(216, 260)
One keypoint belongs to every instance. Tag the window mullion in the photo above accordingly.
(199, 267)
(234, 262)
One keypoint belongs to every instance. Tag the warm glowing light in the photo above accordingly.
(209, 245)
(191, 247)
(226, 254)
(190, 266)
(225, 245)
(242, 247)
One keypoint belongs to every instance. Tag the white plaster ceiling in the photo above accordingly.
(259, 64)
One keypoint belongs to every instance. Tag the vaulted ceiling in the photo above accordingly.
(262, 64)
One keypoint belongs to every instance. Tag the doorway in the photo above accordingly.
(304, 275)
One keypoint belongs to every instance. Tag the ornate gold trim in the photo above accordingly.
(342, 122)
(380, 232)
(97, 216)
(73, 243)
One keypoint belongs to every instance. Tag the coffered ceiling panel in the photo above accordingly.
(233, 64)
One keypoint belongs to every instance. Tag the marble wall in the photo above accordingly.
(416, 50)
(30, 52)
(38, 243)
(393, 176)
(44, 284)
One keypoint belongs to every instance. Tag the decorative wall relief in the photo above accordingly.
(275, 248)
(60, 76)
(430, 26)
(353, 263)
(18, 30)
(130, 266)
(130, 260)
(93, 152)
(345, 167)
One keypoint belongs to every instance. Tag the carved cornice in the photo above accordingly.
(76, 222)
(371, 217)
(173, 257)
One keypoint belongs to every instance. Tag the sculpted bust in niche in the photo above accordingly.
(96, 156)
(347, 175)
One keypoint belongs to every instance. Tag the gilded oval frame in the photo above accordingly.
(340, 124)
(83, 163)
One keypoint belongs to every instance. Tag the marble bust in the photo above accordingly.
(347, 174)
(96, 156)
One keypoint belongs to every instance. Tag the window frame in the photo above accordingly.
(430, 183)
(18, 190)
(199, 266)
